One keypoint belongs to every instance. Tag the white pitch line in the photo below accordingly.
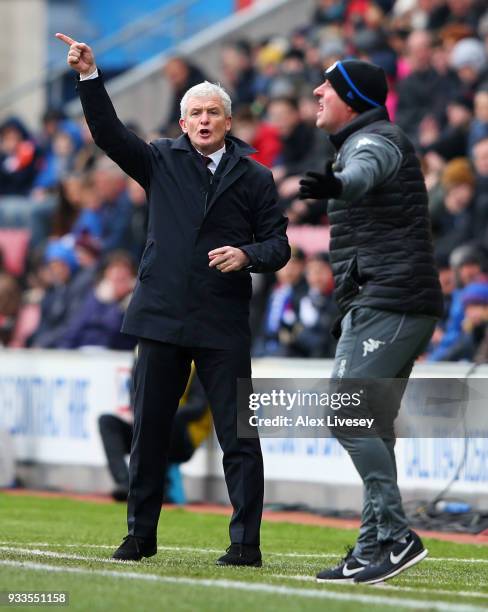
(217, 551)
(394, 587)
(300, 577)
(55, 555)
(253, 587)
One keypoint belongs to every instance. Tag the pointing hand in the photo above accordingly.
(80, 55)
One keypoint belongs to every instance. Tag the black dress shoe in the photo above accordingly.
(241, 554)
(134, 548)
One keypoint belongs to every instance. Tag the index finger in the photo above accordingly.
(65, 39)
(218, 251)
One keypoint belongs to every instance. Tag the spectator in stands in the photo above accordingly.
(447, 280)
(302, 147)
(191, 426)
(452, 141)
(480, 161)
(314, 313)
(452, 225)
(68, 206)
(468, 264)
(240, 73)
(423, 92)
(475, 324)
(87, 250)
(262, 136)
(478, 129)
(136, 236)
(10, 301)
(19, 158)
(468, 58)
(329, 12)
(181, 75)
(89, 219)
(98, 320)
(110, 184)
(290, 287)
(472, 339)
(292, 80)
(60, 159)
(51, 120)
(62, 297)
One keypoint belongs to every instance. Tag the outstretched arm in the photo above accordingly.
(127, 150)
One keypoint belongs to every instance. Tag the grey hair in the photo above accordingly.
(206, 90)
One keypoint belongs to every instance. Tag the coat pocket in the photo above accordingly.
(147, 260)
(349, 286)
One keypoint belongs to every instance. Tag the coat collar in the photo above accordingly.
(362, 120)
(235, 146)
(236, 150)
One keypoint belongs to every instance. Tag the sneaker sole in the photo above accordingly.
(335, 580)
(413, 561)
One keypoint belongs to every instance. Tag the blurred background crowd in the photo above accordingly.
(72, 225)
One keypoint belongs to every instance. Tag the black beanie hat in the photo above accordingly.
(361, 85)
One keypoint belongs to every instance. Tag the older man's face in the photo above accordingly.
(206, 124)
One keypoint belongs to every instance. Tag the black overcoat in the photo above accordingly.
(178, 298)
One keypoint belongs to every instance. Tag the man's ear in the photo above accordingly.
(228, 123)
(183, 127)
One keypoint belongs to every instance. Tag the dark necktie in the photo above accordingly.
(206, 161)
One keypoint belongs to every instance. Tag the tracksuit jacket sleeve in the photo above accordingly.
(271, 250)
(126, 149)
(368, 160)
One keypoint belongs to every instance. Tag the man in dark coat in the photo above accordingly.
(213, 218)
(387, 289)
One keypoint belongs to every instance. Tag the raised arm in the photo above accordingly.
(127, 150)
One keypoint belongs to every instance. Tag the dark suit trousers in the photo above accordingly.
(160, 378)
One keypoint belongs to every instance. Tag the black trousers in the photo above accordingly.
(160, 378)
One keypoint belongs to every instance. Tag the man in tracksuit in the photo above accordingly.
(387, 289)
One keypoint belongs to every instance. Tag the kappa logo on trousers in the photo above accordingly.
(371, 345)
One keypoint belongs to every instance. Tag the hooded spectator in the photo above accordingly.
(19, 158)
(468, 263)
(62, 297)
(468, 58)
(475, 324)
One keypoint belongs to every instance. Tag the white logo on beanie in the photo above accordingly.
(331, 68)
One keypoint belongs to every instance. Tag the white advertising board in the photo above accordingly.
(50, 402)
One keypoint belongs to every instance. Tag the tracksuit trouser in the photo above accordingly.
(379, 344)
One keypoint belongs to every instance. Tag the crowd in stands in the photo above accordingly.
(85, 220)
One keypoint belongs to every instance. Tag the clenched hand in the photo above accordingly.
(228, 259)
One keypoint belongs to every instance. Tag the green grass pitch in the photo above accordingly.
(52, 544)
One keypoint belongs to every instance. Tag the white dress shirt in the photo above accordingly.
(215, 157)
